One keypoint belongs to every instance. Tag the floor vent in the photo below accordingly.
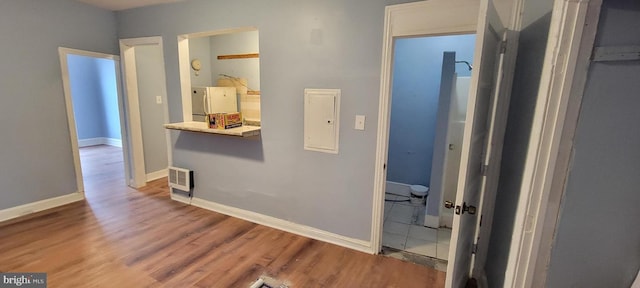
(181, 179)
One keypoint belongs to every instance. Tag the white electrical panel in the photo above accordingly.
(321, 120)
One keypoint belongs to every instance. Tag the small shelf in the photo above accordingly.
(239, 56)
(244, 131)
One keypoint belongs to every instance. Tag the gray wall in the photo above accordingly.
(416, 88)
(150, 68)
(275, 176)
(236, 43)
(200, 48)
(95, 97)
(36, 162)
(109, 92)
(597, 241)
(85, 91)
(531, 51)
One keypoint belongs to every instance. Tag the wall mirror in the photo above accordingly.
(212, 64)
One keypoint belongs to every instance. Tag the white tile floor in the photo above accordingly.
(404, 230)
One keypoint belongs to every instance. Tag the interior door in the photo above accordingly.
(468, 196)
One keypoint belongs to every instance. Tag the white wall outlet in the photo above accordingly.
(158, 99)
(360, 122)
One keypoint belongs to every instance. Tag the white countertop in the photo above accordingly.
(243, 131)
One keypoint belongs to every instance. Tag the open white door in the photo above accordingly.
(476, 131)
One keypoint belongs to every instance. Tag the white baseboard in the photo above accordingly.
(157, 175)
(99, 141)
(113, 142)
(432, 221)
(398, 188)
(446, 218)
(180, 197)
(34, 207)
(90, 142)
(306, 231)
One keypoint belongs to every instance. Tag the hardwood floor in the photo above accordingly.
(121, 237)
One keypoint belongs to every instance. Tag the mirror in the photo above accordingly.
(211, 65)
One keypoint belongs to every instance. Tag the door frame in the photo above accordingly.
(63, 52)
(571, 38)
(138, 176)
(405, 20)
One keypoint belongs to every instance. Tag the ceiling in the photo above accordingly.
(116, 5)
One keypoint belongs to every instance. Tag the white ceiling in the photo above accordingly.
(116, 5)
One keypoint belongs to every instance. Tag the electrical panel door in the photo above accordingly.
(321, 119)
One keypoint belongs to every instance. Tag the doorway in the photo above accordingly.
(482, 136)
(147, 109)
(94, 92)
(92, 95)
(431, 77)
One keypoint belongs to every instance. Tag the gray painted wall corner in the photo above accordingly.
(36, 161)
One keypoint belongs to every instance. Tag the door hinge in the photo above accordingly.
(474, 249)
(483, 169)
(503, 47)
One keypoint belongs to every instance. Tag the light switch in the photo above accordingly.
(158, 99)
(360, 122)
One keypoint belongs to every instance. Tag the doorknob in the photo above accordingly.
(460, 209)
(471, 209)
(448, 204)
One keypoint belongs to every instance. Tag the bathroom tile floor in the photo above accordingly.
(403, 230)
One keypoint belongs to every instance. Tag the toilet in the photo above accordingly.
(419, 194)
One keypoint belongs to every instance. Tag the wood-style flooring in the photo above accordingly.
(121, 237)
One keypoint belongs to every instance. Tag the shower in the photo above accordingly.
(465, 62)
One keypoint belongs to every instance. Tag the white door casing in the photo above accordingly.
(442, 17)
(572, 34)
(66, 83)
(433, 17)
(138, 177)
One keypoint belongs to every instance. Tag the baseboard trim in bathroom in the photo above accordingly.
(440, 265)
(446, 219)
(432, 221)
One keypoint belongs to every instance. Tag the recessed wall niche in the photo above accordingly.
(223, 58)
